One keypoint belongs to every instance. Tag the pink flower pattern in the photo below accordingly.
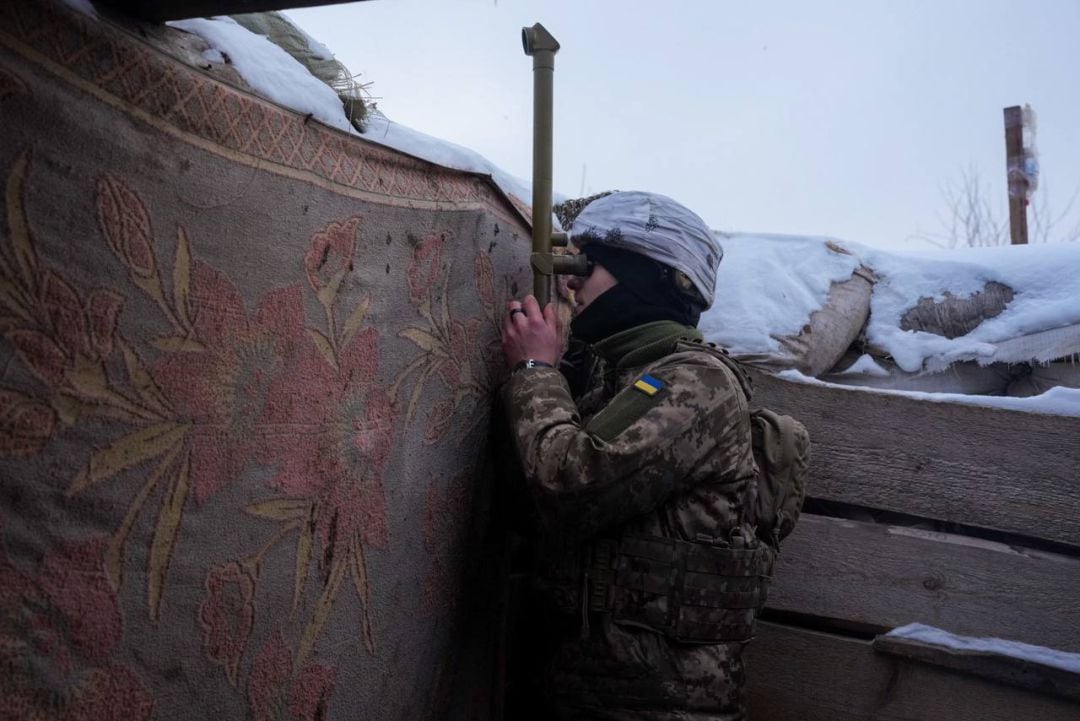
(65, 621)
(452, 345)
(228, 392)
(227, 615)
(275, 693)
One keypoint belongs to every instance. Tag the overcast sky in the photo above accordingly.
(785, 116)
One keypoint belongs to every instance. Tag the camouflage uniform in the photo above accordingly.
(620, 462)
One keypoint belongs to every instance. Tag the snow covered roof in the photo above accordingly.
(773, 289)
(769, 285)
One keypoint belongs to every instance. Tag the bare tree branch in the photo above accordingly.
(971, 219)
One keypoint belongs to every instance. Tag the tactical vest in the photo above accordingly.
(707, 590)
(704, 591)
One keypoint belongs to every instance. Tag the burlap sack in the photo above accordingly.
(1037, 378)
(953, 317)
(828, 333)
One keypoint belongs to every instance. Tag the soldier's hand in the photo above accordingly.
(528, 333)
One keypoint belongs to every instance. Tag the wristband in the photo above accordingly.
(531, 363)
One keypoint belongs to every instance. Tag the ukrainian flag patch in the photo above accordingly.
(649, 385)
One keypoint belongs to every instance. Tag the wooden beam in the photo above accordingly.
(799, 675)
(993, 666)
(886, 576)
(162, 10)
(1006, 470)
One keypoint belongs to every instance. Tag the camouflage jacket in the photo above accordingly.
(658, 445)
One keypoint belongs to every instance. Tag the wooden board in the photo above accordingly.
(161, 10)
(799, 675)
(887, 576)
(1005, 470)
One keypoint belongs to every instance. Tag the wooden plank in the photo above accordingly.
(799, 675)
(162, 10)
(992, 666)
(997, 469)
(887, 576)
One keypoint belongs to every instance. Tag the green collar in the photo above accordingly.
(645, 343)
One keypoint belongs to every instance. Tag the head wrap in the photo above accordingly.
(657, 227)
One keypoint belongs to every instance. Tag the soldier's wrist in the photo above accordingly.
(530, 363)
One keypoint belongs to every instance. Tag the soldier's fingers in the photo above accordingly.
(532, 308)
(508, 320)
(513, 309)
(551, 317)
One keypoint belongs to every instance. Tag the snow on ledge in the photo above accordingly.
(380, 129)
(269, 70)
(1015, 649)
(865, 366)
(1058, 401)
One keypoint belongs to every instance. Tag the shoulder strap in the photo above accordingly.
(737, 369)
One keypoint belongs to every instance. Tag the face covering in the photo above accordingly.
(616, 310)
(644, 294)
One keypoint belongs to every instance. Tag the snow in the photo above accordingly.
(213, 55)
(767, 286)
(1045, 297)
(1015, 649)
(865, 366)
(270, 71)
(1058, 401)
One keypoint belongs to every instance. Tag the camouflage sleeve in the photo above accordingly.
(632, 455)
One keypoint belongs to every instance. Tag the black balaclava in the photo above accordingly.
(645, 293)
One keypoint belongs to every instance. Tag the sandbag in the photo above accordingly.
(317, 59)
(1037, 378)
(953, 317)
(828, 333)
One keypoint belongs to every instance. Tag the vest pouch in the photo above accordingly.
(691, 592)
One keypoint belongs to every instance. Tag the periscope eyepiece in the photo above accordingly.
(537, 39)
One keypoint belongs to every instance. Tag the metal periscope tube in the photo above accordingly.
(540, 44)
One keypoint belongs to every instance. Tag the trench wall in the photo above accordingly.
(248, 364)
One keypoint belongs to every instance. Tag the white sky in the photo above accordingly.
(784, 116)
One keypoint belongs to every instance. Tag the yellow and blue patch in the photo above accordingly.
(649, 385)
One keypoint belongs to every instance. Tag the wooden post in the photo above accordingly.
(1018, 185)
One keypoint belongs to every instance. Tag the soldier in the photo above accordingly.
(637, 458)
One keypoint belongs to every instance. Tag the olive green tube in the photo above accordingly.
(540, 44)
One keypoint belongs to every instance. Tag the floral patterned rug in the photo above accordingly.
(248, 363)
